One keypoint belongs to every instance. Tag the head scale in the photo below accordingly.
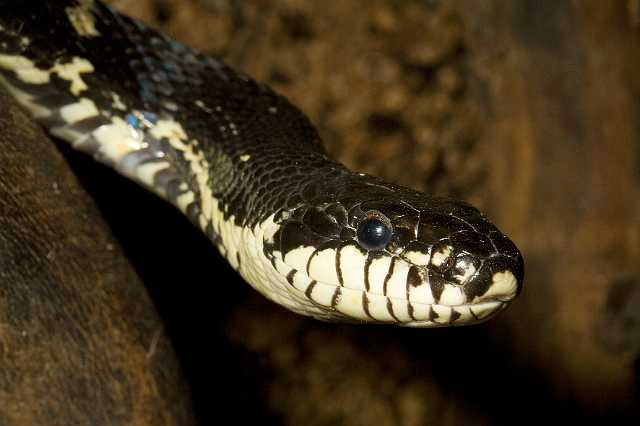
(360, 249)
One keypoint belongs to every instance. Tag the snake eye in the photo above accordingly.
(374, 231)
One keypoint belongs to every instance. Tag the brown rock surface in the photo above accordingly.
(80, 341)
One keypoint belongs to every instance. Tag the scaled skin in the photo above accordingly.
(248, 168)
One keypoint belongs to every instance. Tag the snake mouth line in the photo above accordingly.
(480, 312)
(364, 306)
(337, 302)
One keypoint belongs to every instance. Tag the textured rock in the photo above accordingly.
(80, 340)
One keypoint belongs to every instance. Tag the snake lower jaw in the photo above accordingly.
(479, 312)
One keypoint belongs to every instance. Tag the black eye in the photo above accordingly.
(374, 232)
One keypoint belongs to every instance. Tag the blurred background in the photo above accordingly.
(528, 109)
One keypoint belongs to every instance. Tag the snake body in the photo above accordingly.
(249, 170)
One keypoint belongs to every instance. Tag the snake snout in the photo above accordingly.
(501, 275)
(485, 271)
(499, 279)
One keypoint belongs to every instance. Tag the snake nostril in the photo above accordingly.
(464, 268)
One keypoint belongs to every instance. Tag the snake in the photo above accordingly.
(249, 169)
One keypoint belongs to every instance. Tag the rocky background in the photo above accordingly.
(528, 109)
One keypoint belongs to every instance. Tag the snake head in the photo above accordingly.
(365, 250)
